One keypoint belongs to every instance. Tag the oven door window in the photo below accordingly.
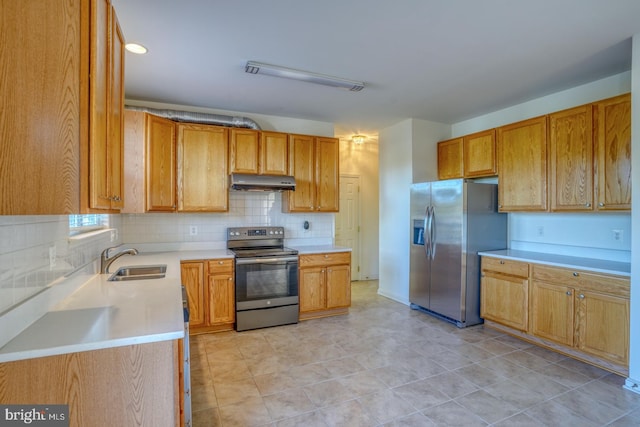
(265, 281)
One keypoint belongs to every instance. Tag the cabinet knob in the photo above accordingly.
(501, 262)
(321, 271)
(568, 293)
(601, 204)
(581, 296)
(220, 262)
(230, 278)
(575, 274)
(588, 205)
(499, 206)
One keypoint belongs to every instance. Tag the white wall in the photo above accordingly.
(362, 160)
(406, 156)
(634, 353)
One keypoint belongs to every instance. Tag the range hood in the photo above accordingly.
(251, 182)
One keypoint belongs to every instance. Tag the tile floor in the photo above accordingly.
(387, 365)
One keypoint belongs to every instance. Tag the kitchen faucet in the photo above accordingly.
(105, 260)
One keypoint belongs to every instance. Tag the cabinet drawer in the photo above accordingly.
(332, 258)
(506, 266)
(616, 285)
(223, 265)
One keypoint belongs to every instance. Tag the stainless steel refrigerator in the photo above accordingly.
(450, 222)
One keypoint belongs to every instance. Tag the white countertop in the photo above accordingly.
(101, 314)
(587, 264)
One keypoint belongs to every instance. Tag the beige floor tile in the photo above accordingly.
(394, 376)
(504, 367)
(495, 346)
(549, 355)
(489, 408)
(518, 396)
(450, 414)
(617, 397)
(592, 409)
(206, 418)
(326, 392)
(452, 384)
(203, 397)
(385, 405)
(541, 384)
(309, 374)
(553, 414)
(309, 419)
(361, 383)
(228, 370)
(414, 420)
(343, 366)
(420, 394)
(519, 420)
(583, 368)
(564, 376)
(479, 375)
(249, 412)
(231, 392)
(348, 414)
(288, 404)
(274, 383)
(526, 359)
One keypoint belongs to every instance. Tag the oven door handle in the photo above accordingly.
(260, 260)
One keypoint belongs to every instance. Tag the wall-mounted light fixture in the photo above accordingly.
(358, 139)
(253, 67)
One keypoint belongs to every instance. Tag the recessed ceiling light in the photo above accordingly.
(136, 48)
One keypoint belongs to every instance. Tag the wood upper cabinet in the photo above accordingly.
(274, 153)
(324, 283)
(586, 310)
(450, 159)
(571, 159)
(612, 119)
(504, 295)
(314, 161)
(522, 166)
(53, 150)
(160, 164)
(107, 100)
(244, 145)
(202, 168)
(479, 151)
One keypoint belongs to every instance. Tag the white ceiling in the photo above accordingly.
(439, 60)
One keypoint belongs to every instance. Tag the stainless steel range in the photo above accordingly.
(266, 276)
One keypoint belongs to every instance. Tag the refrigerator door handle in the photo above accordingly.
(432, 233)
(426, 234)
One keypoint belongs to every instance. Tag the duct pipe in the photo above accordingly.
(205, 118)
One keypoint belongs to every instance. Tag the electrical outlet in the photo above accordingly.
(114, 235)
(193, 230)
(617, 235)
(52, 257)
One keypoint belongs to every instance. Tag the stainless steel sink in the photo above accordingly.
(139, 272)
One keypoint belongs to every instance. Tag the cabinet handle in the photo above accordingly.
(575, 274)
(581, 296)
(568, 293)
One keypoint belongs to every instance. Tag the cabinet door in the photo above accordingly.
(221, 299)
(504, 299)
(192, 276)
(450, 159)
(312, 289)
(552, 312)
(274, 153)
(522, 166)
(338, 286)
(302, 166)
(160, 138)
(612, 119)
(202, 168)
(327, 153)
(479, 152)
(571, 159)
(244, 145)
(115, 149)
(99, 192)
(603, 326)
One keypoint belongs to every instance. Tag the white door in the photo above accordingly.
(348, 220)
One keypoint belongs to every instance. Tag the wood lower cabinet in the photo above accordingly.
(121, 386)
(314, 161)
(210, 289)
(522, 166)
(578, 313)
(504, 294)
(582, 309)
(324, 284)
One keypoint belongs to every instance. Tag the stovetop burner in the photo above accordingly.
(263, 252)
(252, 242)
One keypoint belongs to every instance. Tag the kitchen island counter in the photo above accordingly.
(89, 312)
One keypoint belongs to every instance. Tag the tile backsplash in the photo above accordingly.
(245, 209)
(27, 246)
